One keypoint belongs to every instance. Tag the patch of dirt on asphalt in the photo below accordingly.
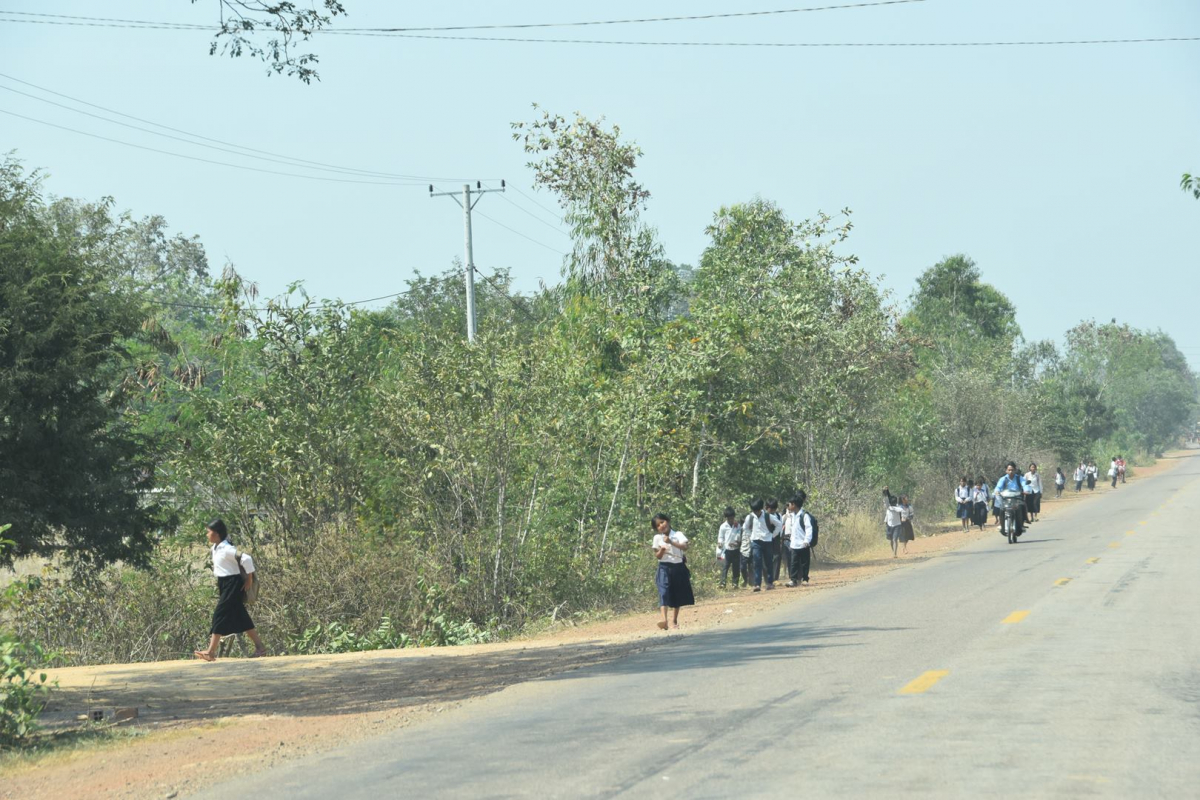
(200, 720)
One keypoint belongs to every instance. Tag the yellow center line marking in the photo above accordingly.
(1093, 560)
(1114, 544)
(1062, 581)
(1015, 617)
(925, 682)
(1143, 522)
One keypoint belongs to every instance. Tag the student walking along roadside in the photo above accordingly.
(230, 615)
(892, 519)
(673, 580)
(798, 527)
(1033, 493)
(729, 542)
(979, 503)
(755, 525)
(1060, 482)
(962, 496)
(1080, 475)
(775, 523)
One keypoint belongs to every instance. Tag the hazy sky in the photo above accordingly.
(1055, 168)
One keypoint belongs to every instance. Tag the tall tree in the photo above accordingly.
(74, 475)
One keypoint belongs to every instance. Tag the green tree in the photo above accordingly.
(1188, 183)
(75, 476)
(287, 22)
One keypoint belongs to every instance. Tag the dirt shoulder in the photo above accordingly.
(196, 720)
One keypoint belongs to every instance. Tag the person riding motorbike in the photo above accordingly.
(1012, 481)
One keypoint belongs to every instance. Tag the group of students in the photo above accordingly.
(973, 501)
(752, 548)
(1088, 472)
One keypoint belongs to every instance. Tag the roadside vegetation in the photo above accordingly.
(400, 487)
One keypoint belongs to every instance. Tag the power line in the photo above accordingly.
(319, 307)
(386, 33)
(507, 296)
(206, 160)
(553, 213)
(141, 23)
(1026, 43)
(523, 210)
(301, 162)
(518, 233)
(687, 18)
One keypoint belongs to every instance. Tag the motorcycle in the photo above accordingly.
(1011, 505)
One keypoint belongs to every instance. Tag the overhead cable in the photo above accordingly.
(299, 162)
(207, 160)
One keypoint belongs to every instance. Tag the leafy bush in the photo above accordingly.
(23, 689)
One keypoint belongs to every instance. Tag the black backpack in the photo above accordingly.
(813, 519)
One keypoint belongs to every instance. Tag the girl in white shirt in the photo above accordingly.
(673, 580)
(1033, 494)
(1060, 482)
(230, 616)
(962, 496)
(892, 520)
(979, 504)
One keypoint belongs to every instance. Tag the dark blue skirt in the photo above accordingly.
(230, 615)
(964, 510)
(674, 583)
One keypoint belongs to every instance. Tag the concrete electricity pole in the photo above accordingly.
(469, 264)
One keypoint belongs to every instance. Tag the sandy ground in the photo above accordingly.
(197, 720)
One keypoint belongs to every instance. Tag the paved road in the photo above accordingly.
(1065, 666)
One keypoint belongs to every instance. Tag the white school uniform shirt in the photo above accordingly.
(673, 555)
(962, 494)
(797, 527)
(727, 534)
(757, 526)
(1080, 474)
(1059, 479)
(979, 495)
(893, 516)
(1034, 481)
(225, 560)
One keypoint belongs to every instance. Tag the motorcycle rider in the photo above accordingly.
(1011, 481)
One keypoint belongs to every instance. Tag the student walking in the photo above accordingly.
(756, 526)
(1112, 472)
(962, 496)
(1091, 476)
(1080, 475)
(230, 615)
(798, 525)
(979, 503)
(746, 557)
(775, 523)
(1033, 492)
(673, 579)
(907, 534)
(729, 542)
(892, 519)
(1121, 468)
(1060, 482)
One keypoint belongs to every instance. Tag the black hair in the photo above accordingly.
(772, 504)
(756, 505)
(657, 519)
(965, 479)
(729, 512)
(799, 497)
(1012, 464)
(217, 526)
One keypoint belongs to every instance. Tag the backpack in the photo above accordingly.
(813, 520)
(249, 596)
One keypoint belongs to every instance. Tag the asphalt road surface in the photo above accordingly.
(1067, 665)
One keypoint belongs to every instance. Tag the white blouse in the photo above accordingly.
(673, 555)
(225, 560)
(1034, 479)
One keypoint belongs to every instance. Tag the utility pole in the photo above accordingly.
(469, 264)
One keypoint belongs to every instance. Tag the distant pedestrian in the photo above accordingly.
(979, 503)
(673, 579)
(230, 615)
(1033, 492)
(892, 519)
(755, 525)
(747, 557)
(1091, 476)
(775, 523)
(1112, 472)
(799, 527)
(907, 533)
(729, 542)
(1121, 468)
(962, 496)
(1060, 482)
(1080, 475)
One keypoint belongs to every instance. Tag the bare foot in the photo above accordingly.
(259, 653)
(662, 624)
(204, 655)
(675, 626)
